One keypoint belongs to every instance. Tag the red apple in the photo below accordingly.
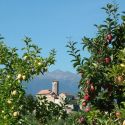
(84, 103)
(87, 109)
(109, 37)
(107, 60)
(87, 97)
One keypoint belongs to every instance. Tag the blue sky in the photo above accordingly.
(50, 22)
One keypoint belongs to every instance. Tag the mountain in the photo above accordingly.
(68, 82)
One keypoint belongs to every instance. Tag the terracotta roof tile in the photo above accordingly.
(44, 92)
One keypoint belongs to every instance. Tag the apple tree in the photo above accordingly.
(14, 70)
(102, 84)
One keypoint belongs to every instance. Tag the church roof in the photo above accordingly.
(44, 92)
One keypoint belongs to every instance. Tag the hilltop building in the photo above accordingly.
(54, 96)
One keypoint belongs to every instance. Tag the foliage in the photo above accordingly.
(102, 84)
(13, 71)
(48, 111)
(94, 117)
(42, 111)
(29, 119)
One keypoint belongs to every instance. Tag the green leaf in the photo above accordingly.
(123, 18)
(76, 64)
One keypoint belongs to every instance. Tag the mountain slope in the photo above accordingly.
(68, 82)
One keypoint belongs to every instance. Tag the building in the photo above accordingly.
(66, 96)
(54, 96)
(51, 95)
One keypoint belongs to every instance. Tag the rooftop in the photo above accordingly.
(44, 92)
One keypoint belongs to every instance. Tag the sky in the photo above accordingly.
(50, 24)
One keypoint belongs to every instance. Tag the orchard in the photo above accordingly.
(102, 84)
(101, 88)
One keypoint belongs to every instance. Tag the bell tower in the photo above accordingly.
(55, 87)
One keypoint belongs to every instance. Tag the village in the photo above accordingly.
(54, 96)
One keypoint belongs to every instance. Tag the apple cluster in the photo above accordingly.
(89, 91)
